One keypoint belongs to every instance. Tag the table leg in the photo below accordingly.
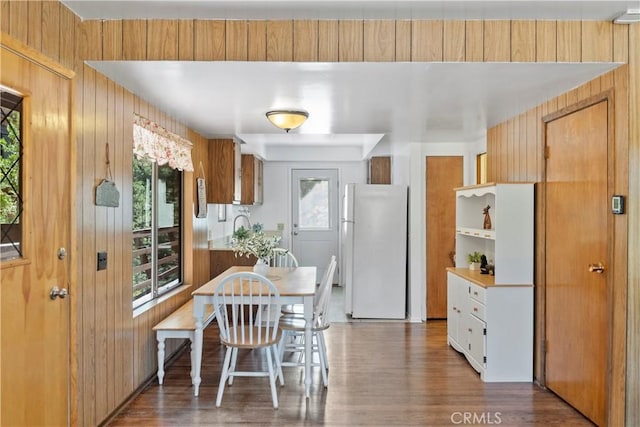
(198, 314)
(308, 343)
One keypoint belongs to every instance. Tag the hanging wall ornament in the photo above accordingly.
(107, 193)
(201, 191)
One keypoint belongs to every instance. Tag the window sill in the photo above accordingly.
(160, 300)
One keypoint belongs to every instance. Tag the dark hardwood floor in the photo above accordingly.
(381, 374)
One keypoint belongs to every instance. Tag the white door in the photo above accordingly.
(314, 217)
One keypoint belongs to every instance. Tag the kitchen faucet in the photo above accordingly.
(235, 220)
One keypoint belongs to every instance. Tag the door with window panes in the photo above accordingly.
(36, 246)
(315, 222)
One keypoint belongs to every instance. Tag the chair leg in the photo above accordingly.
(160, 360)
(272, 378)
(232, 366)
(281, 344)
(322, 355)
(223, 375)
(276, 355)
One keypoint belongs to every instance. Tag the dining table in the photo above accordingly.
(296, 285)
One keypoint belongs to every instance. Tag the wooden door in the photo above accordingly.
(443, 174)
(577, 234)
(34, 338)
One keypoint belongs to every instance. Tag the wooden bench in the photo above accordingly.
(179, 324)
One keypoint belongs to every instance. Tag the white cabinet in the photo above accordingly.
(490, 318)
(493, 327)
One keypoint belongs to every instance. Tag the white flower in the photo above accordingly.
(255, 243)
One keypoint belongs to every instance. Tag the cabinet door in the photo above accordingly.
(457, 297)
(452, 309)
(477, 342)
(222, 164)
(248, 186)
(237, 178)
(258, 179)
(380, 170)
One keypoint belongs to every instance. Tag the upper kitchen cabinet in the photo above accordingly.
(252, 189)
(380, 170)
(226, 169)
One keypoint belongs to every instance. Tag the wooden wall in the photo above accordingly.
(516, 153)
(115, 352)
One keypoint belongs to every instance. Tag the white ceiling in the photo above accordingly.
(349, 104)
(352, 106)
(353, 9)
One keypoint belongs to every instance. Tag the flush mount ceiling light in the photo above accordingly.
(629, 17)
(287, 119)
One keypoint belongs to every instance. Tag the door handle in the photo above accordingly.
(56, 292)
(596, 268)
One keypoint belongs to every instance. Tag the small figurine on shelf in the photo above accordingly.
(483, 265)
(487, 218)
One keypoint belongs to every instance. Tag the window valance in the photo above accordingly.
(157, 144)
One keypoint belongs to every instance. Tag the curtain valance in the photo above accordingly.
(157, 144)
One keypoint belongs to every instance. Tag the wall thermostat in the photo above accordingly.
(617, 204)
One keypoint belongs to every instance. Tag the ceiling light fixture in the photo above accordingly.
(287, 119)
(629, 17)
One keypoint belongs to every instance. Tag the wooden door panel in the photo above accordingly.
(577, 235)
(34, 338)
(443, 174)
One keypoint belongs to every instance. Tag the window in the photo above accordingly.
(157, 207)
(10, 175)
(313, 206)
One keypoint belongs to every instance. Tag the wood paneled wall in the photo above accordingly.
(115, 352)
(516, 153)
(355, 40)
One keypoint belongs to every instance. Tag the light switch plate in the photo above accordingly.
(102, 261)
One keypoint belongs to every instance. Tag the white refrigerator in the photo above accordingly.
(374, 251)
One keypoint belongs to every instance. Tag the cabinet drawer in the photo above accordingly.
(476, 309)
(477, 293)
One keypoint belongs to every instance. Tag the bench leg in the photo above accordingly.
(192, 355)
(160, 359)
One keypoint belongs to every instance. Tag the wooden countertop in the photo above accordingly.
(474, 276)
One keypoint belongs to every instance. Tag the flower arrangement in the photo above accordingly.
(254, 242)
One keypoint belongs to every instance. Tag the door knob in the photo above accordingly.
(56, 292)
(295, 233)
(596, 268)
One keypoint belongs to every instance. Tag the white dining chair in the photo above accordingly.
(282, 258)
(244, 301)
(293, 325)
(298, 309)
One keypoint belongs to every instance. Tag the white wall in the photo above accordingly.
(417, 222)
(277, 191)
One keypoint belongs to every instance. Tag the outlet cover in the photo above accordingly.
(102, 261)
(280, 226)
